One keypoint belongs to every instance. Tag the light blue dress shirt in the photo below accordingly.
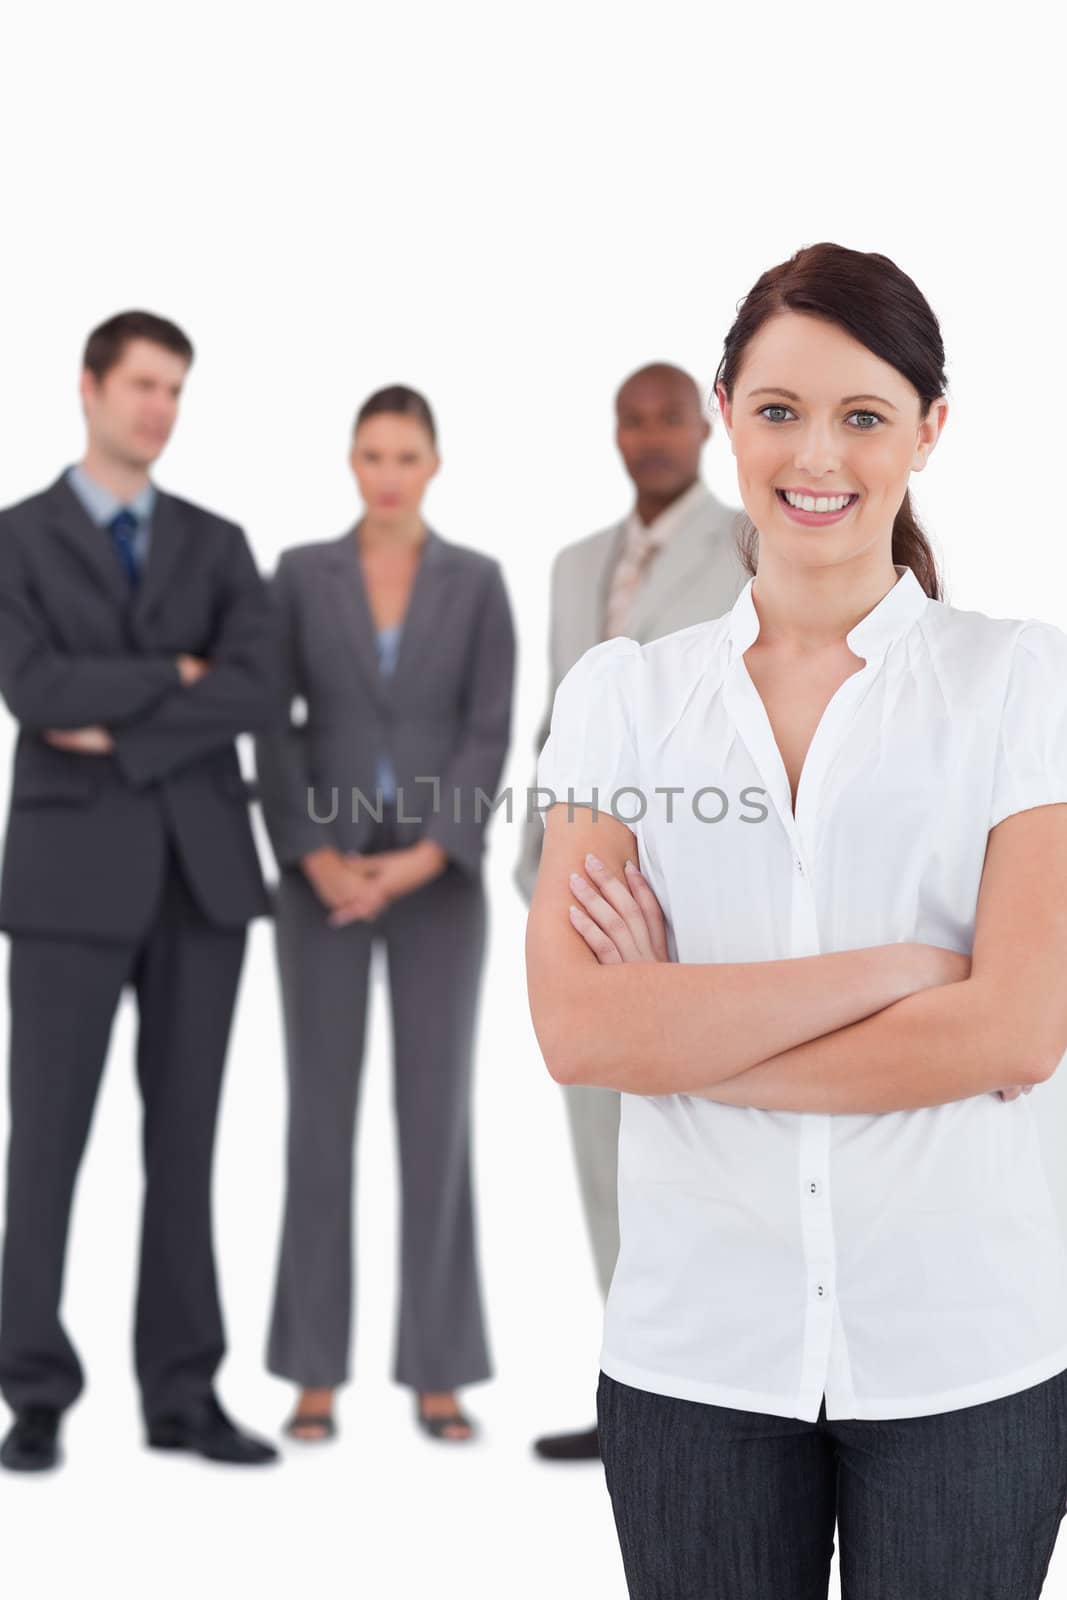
(101, 505)
(388, 649)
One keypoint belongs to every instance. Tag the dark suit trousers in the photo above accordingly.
(435, 943)
(64, 993)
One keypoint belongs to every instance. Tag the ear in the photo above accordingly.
(727, 411)
(87, 387)
(705, 432)
(929, 433)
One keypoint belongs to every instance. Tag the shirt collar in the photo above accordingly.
(871, 636)
(101, 505)
(659, 530)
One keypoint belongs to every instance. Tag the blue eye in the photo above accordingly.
(764, 410)
(871, 416)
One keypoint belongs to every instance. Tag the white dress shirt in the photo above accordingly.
(902, 1264)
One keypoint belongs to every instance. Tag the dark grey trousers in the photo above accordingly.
(736, 1505)
(64, 993)
(435, 941)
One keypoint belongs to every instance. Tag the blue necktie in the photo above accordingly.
(122, 528)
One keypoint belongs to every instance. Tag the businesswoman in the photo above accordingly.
(399, 661)
(841, 1290)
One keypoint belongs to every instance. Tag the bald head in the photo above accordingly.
(661, 378)
(660, 431)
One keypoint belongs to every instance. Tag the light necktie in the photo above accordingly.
(122, 528)
(640, 546)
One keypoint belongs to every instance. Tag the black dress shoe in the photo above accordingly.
(583, 1446)
(32, 1444)
(209, 1432)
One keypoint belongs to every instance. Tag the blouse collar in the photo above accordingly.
(871, 636)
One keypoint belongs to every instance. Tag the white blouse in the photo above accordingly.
(902, 1264)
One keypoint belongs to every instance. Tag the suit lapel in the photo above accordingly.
(681, 558)
(426, 613)
(428, 594)
(347, 587)
(164, 549)
(69, 518)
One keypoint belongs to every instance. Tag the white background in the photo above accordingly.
(510, 209)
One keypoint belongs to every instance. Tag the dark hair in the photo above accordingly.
(105, 345)
(399, 401)
(868, 296)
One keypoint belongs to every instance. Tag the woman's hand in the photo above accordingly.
(388, 875)
(622, 921)
(619, 921)
(332, 875)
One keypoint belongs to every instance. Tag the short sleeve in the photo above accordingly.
(590, 753)
(1031, 759)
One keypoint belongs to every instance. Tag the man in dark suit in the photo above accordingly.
(135, 644)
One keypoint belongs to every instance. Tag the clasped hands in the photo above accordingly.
(356, 888)
(96, 740)
(621, 920)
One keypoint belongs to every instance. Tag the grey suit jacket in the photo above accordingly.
(696, 576)
(87, 835)
(443, 714)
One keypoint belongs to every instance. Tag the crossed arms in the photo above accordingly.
(157, 714)
(881, 1029)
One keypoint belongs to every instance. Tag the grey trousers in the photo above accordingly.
(64, 991)
(434, 940)
(593, 1114)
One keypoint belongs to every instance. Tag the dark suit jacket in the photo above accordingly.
(87, 835)
(444, 713)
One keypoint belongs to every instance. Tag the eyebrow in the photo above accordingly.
(846, 399)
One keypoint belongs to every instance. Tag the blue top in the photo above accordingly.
(101, 505)
(388, 649)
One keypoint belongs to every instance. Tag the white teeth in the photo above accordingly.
(807, 502)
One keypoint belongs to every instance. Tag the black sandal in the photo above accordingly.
(324, 1421)
(436, 1427)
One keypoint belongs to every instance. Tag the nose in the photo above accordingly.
(818, 451)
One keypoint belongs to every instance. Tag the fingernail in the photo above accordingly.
(594, 861)
(576, 880)
(629, 866)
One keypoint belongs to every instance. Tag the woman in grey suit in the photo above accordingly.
(399, 651)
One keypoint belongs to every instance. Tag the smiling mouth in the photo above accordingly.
(816, 501)
(815, 510)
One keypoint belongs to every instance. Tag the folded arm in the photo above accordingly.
(1006, 1024)
(237, 695)
(47, 688)
(672, 1028)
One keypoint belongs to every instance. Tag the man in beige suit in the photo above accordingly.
(670, 563)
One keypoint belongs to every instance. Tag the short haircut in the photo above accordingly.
(105, 345)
